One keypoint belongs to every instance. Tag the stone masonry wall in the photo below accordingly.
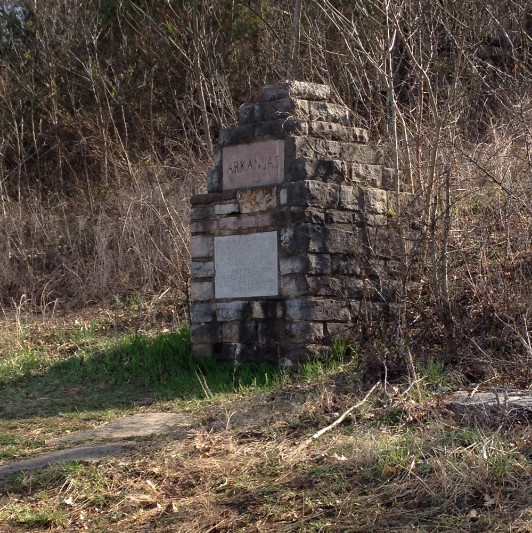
(294, 240)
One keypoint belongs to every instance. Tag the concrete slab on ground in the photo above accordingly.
(132, 426)
(108, 437)
(94, 452)
(498, 405)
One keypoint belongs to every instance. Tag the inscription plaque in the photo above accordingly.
(246, 265)
(253, 165)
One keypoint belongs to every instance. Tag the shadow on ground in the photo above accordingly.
(139, 372)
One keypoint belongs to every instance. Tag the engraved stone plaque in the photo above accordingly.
(253, 165)
(246, 265)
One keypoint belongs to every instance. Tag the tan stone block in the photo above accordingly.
(374, 201)
(294, 89)
(255, 200)
(253, 164)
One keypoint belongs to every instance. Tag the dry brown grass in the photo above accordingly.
(400, 463)
(129, 238)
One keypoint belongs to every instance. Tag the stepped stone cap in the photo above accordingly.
(294, 89)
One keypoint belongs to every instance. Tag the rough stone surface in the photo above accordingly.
(326, 170)
(327, 112)
(227, 311)
(95, 452)
(332, 131)
(214, 181)
(202, 269)
(109, 440)
(296, 168)
(265, 111)
(227, 209)
(256, 200)
(253, 165)
(201, 291)
(294, 89)
(201, 246)
(202, 312)
(317, 310)
(282, 126)
(201, 213)
(312, 193)
(136, 425)
(496, 405)
(312, 147)
(373, 201)
(203, 226)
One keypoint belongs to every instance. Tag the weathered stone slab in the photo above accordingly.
(495, 405)
(201, 213)
(373, 201)
(227, 208)
(294, 89)
(305, 168)
(303, 309)
(94, 452)
(242, 222)
(246, 265)
(312, 147)
(201, 291)
(313, 193)
(202, 312)
(320, 239)
(202, 269)
(332, 131)
(236, 135)
(282, 126)
(203, 226)
(214, 181)
(204, 333)
(284, 108)
(255, 200)
(227, 311)
(136, 425)
(211, 198)
(253, 165)
(327, 112)
(201, 246)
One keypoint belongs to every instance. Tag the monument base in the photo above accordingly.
(293, 244)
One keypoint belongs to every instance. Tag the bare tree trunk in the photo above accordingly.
(199, 83)
(292, 70)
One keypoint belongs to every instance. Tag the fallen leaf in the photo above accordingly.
(390, 471)
(473, 514)
(339, 457)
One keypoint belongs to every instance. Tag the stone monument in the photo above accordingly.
(285, 245)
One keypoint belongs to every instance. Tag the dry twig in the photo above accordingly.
(338, 421)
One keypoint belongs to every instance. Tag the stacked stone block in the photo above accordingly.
(298, 178)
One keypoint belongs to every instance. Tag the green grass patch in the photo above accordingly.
(341, 351)
(166, 361)
(99, 371)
